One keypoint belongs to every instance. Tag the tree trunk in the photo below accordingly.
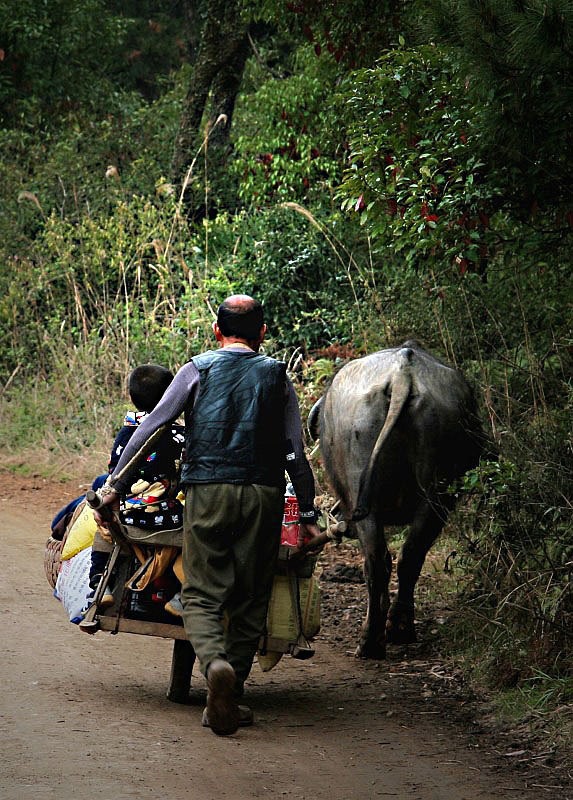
(216, 79)
(225, 89)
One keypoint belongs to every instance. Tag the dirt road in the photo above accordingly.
(87, 716)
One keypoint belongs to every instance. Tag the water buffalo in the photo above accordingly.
(396, 428)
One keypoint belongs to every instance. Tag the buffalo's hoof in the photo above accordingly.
(400, 627)
(372, 650)
(401, 634)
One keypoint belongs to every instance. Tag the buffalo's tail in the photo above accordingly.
(400, 387)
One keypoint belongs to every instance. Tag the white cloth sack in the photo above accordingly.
(72, 585)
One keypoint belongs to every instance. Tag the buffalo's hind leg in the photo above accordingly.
(377, 570)
(425, 528)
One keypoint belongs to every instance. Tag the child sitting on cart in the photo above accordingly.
(152, 503)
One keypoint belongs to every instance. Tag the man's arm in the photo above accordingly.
(298, 468)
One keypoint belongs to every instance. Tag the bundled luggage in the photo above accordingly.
(138, 597)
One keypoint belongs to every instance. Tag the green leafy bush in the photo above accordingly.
(519, 558)
(413, 177)
(285, 150)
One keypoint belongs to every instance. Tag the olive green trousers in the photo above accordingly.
(231, 536)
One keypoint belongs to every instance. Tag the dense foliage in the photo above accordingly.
(384, 176)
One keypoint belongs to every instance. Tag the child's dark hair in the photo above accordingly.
(147, 384)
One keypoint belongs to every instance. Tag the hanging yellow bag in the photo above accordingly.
(82, 531)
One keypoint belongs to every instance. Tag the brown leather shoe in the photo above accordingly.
(222, 710)
(246, 717)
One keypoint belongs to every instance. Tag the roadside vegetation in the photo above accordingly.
(370, 178)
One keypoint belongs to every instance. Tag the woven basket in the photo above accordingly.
(52, 559)
(54, 546)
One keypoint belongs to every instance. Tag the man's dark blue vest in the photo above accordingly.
(235, 430)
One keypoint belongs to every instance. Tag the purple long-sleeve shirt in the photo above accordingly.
(183, 391)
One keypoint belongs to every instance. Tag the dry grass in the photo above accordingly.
(57, 466)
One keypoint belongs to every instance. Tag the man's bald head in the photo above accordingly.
(240, 315)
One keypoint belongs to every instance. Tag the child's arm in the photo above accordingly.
(119, 445)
